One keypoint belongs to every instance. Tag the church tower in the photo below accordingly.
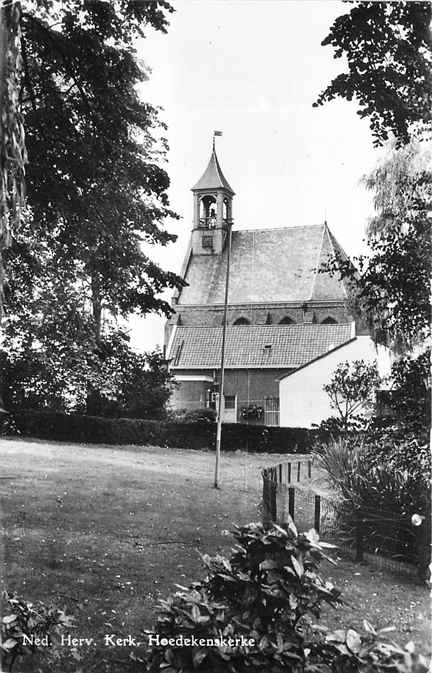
(212, 210)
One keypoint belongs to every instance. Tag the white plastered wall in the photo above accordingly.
(302, 398)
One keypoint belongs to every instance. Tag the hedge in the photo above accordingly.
(198, 435)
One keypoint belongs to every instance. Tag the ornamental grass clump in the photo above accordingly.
(380, 482)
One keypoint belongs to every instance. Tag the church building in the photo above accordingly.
(283, 314)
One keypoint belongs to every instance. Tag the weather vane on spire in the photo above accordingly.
(216, 133)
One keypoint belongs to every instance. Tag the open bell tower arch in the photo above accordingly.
(213, 199)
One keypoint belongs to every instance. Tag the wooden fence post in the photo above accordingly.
(273, 500)
(291, 501)
(285, 511)
(266, 514)
(269, 501)
(317, 513)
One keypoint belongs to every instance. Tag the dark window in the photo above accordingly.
(241, 321)
(230, 401)
(207, 242)
(267, 351)
(287, 321)
(329, 321)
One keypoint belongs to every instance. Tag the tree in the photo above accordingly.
(12, 147)
(55, 363)
(410, 399)
(96, 194)
(95, 187)
(352, 389)
(401, 184)
(392, 283)
(143, 389)
(388, 47)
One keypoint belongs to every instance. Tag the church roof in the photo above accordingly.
(267, 266)
(213, 178)
(255, 346)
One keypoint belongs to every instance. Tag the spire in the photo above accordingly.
(213, 199)
(213, 178)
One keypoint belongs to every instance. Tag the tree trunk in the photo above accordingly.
(3, 44)
(97, 308)
(93, 398)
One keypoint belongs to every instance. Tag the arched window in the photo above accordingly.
(287, 321)
(241, 321)
(225, 209)
(329, 321)
(207, 213)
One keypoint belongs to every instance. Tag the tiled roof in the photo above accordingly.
(255, 346)
(213, 178)
(267, 265)
(325, 284)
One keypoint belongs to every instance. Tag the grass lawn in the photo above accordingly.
(107, 531)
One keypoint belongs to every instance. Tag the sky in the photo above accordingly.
(252, 69)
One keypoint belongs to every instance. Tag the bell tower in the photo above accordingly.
(212, 210)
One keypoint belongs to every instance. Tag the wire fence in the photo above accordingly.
(381, 538)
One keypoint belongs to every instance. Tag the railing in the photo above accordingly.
(271, 411)
(211, 222)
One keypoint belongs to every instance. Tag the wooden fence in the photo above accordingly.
(288, 491)
(278, 488)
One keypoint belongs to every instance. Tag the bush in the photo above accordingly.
(381, 486)
(266, 598)
(199, 434)
(8, 425)
(22, 620)
(266, 439)
(356, 426)
(401, 450)
(98, 430)
(410, 399)
(339, 459)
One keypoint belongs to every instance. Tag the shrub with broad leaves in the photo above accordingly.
(346, 651)
(26, 626)
(257, 611)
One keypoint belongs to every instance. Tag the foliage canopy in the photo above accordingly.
(96, 190)
(97, 199)
(352, 389)
(268, 590)
(391, 284)
(388, 48)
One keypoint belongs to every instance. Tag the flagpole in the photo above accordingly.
(222, 367)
